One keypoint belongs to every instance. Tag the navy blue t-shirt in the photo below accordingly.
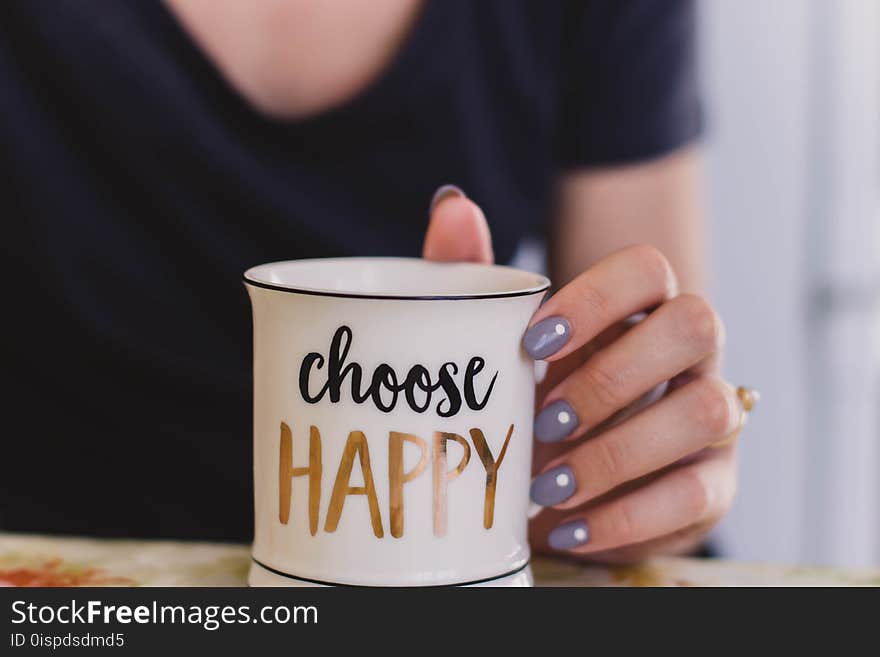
(137, 185)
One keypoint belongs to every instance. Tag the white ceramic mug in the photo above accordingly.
(393, 411)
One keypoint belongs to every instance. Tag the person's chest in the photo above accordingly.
(298, 58)
(156, 132)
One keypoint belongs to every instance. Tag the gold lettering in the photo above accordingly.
(397, 478)
(442, 476)
(286, 473)
(492, 466)
(356, 444)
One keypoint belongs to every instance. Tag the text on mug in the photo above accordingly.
(357, 446)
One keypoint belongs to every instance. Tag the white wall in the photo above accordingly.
(793, 149)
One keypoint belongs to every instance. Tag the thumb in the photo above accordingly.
(457, 229)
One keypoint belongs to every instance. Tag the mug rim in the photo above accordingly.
(250, 277)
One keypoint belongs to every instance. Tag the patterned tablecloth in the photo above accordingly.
(50, 561)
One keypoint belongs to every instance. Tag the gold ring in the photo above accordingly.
(748, 399)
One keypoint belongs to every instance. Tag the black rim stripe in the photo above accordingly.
(368, 586)
(351, 295)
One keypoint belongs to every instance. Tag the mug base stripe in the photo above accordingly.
(309, 580)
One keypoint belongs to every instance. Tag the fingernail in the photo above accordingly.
(635, 318)
(547, 337)
(445, 191)
(569, 535)
(555, 422)
(553, 487)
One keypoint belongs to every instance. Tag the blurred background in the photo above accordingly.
(792, 92)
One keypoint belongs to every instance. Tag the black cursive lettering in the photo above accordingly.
(385, 386)
(475, 366)
(452, 395)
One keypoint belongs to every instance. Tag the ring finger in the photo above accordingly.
(687, 496)
(689, 419)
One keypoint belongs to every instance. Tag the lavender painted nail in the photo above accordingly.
(569, 535)
(553, 487)
(547, 337)
(555, 422)
(445, 191)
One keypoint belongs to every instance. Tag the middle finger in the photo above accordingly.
(686, 421)
(677, 336)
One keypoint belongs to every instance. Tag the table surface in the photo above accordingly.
(28, 560)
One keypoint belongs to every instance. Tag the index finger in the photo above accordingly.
(626, 282)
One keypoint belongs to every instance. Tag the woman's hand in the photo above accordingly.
(619, 480)
(624, 482)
